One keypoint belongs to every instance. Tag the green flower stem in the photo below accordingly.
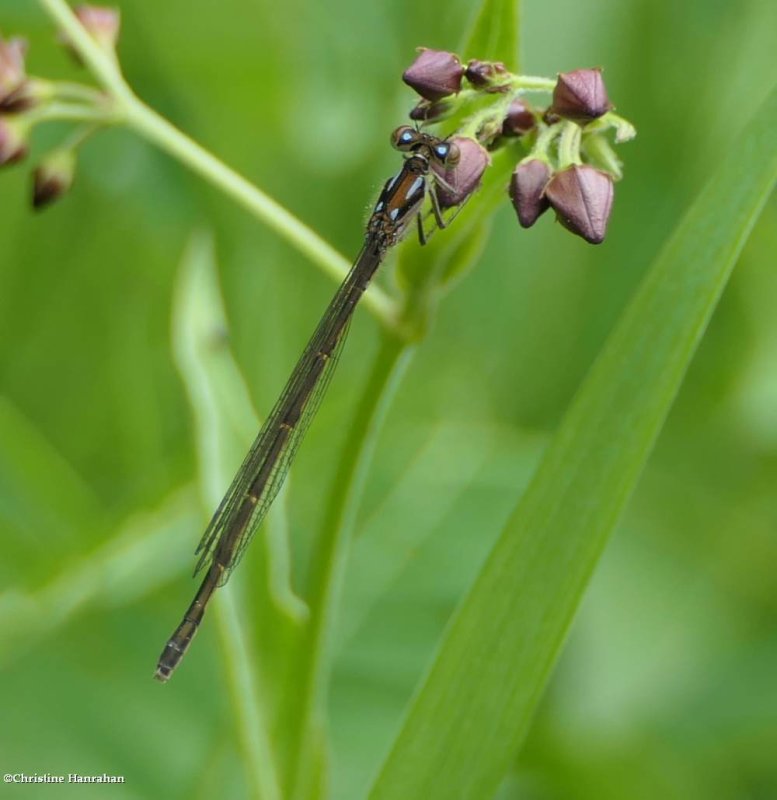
(331, 557)
(569, 145)
(70, 112)
(544, 141)
(513, 84)
(67, 90)
(156, 129)
(531, 83)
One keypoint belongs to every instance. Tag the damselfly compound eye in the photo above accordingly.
(404, 137)
(452, 154)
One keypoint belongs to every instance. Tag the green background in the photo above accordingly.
(666, 686)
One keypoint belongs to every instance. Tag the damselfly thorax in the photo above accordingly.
(403, 195)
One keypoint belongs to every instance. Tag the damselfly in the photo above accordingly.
(260, 476)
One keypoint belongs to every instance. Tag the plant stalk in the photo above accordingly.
(331, 557)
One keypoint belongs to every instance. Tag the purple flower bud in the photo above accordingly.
(461, 179)
(486, 74)
(580, 95)
(427, 111)
(102, 23)
(519, 119)
(13, 141)
(434, 74)
(12, 73)
(31, 93)
(53, 177)
(581, 196)
(527, 190)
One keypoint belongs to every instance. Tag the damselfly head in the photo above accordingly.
(410, 140)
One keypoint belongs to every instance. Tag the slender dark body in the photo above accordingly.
(264, 468)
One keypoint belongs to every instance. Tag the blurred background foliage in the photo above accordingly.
(666, 687)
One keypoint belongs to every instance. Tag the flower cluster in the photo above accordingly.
(569, 163)
(26, 101)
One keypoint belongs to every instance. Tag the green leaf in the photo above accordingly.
(494, 33)
(475, 706)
